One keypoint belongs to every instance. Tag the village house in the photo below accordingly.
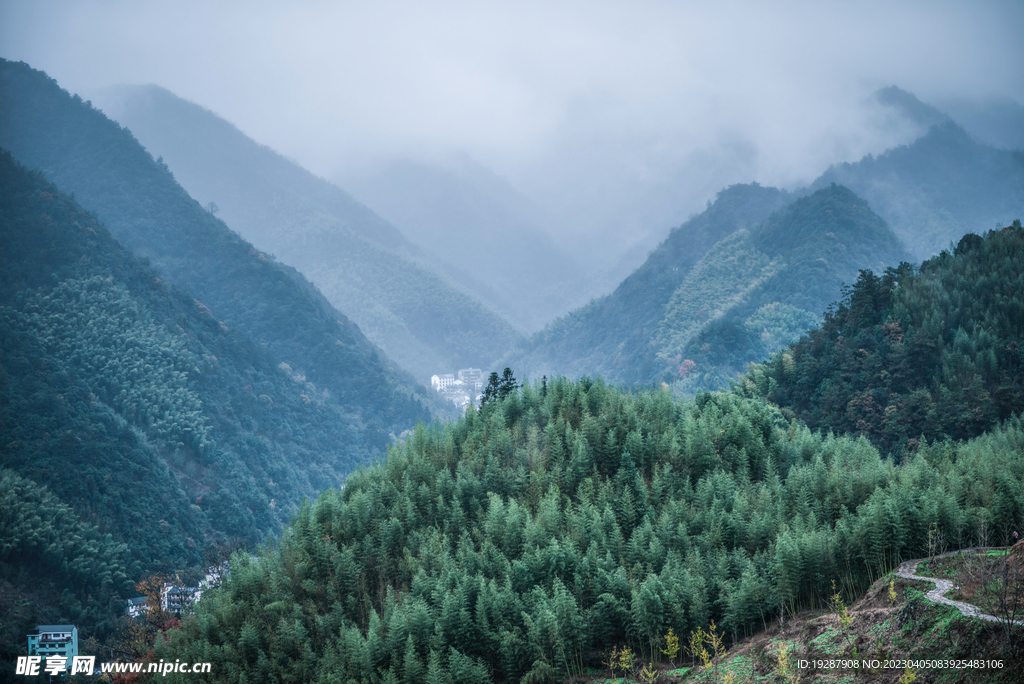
(54, 641)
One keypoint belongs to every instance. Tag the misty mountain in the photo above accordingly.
(911, 108)
(111, 174)
(729, 287)
(363, 265)
(775, 281)
(139, 430)
(996, 122)
(937, 188)
(611, 335)
(469, 217)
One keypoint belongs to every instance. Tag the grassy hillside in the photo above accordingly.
(363, 265)
(891, 634)
(110, 174)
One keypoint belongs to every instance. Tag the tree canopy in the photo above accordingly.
(914, 353)
(530, 538)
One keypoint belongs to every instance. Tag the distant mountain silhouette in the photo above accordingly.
(472, 218)
(937, 188)
(363, 265)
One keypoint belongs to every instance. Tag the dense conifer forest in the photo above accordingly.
(917, 353)
(532, 538)
(153, 431)
(526, 541)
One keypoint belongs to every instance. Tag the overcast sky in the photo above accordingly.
(621, 113)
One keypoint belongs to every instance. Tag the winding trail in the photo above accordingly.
(906, 571)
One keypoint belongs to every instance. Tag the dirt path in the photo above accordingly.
(936, 595)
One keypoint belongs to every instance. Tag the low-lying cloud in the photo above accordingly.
(616, 118)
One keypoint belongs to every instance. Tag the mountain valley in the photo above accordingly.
(210, 354)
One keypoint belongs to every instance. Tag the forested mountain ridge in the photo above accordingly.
(756, 292)
(528, 540)
(61, 269)
(129, 405)
(364, 266)
(713, 308)
(936, 189)
(137, 199)
(609, 335)
(911, 108)
(917, 353)
(701, 309)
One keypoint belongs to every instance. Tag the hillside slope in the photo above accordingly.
(150, 431)
(106, 364)
(137, 199)
(890, 635)
(774, 284)
(915, 353)
(610, 336)
(267, 195)
(55, 567)
(363, 264)
(470, 217)
(731, 286)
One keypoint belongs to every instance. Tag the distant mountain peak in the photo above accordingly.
(832, 213)
(937, 188)
(909, 106)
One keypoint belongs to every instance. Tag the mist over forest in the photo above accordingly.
(642, 342)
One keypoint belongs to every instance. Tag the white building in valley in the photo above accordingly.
(180, 600)
(442, 382)
(459, 390)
